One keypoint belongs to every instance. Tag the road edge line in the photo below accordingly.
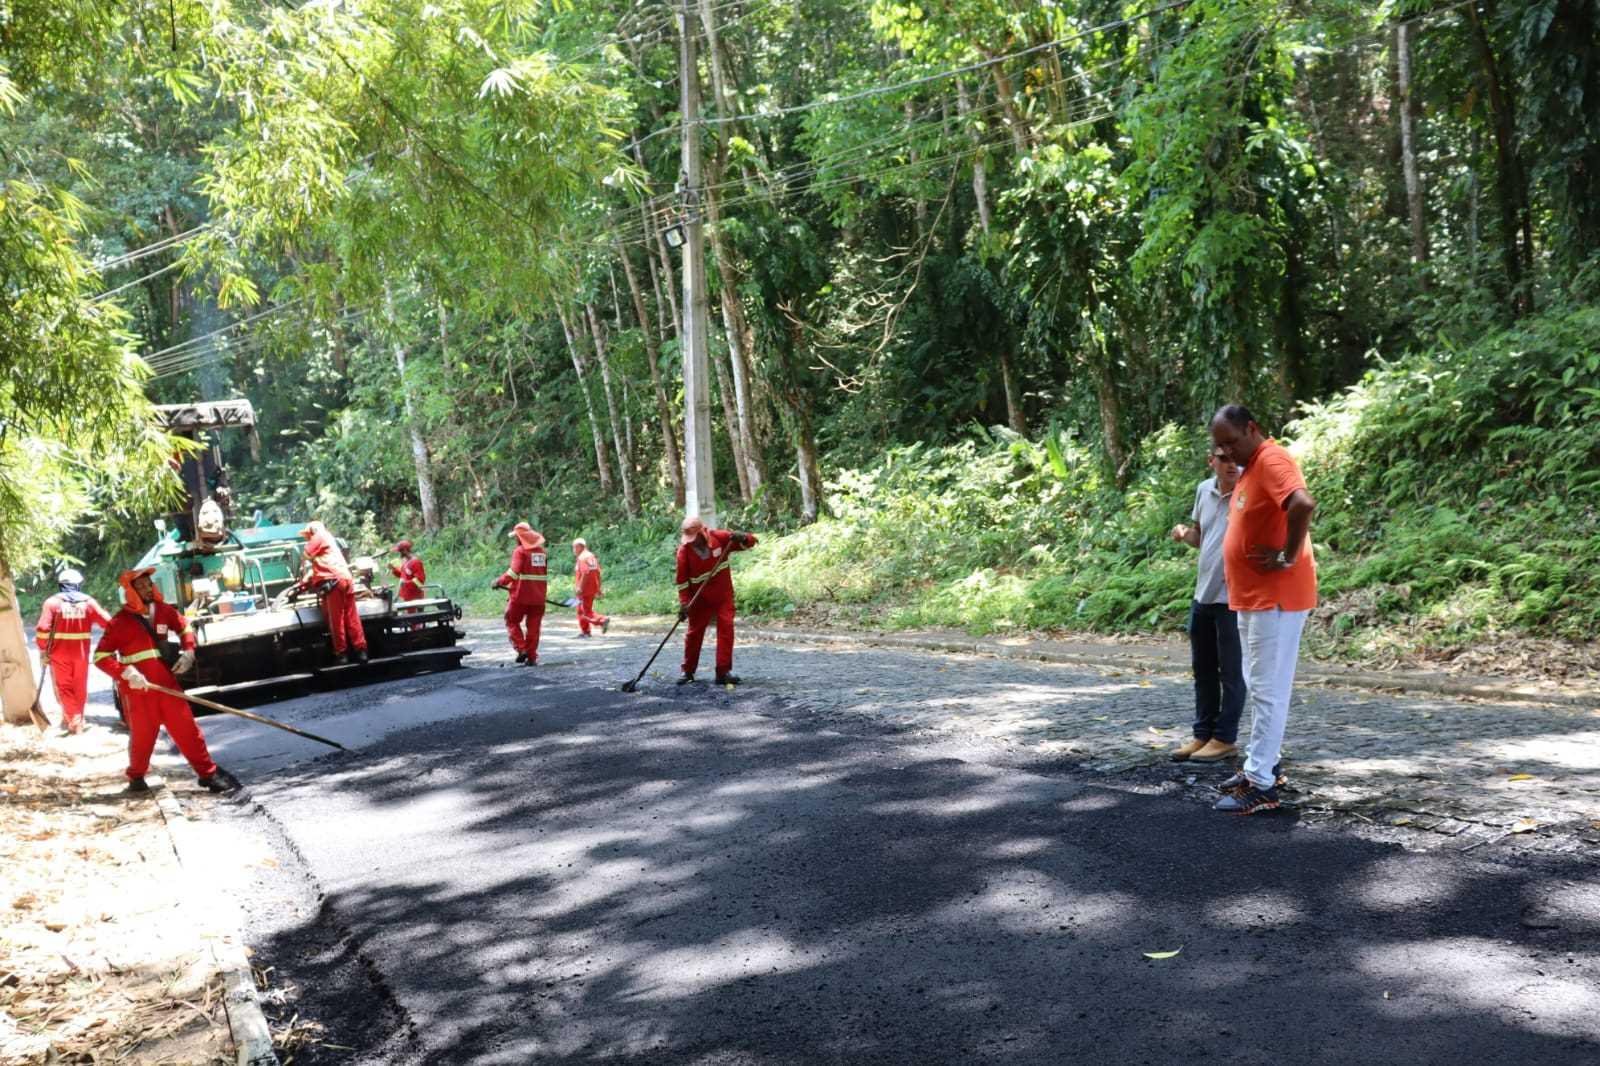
(247, 1023)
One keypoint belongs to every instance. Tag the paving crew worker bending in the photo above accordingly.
(130, 652)
(704, 579)
(586, 586)
(325, 571)
(525, 578)
(63, 636)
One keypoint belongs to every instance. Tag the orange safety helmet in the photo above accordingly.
(527, 536)
(132, 599)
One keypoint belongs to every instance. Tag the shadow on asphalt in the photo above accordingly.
(664, 880)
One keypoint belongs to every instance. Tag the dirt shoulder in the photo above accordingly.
(99, 959)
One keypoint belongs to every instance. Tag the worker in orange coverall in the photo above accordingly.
(130, 652)
(586, 586)
(328, 574)
(409, 571)
(704, 580)
(63, 635)
(525, 578)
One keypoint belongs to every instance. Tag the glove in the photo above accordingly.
(683, 614)
(185, 662)
(134, 678)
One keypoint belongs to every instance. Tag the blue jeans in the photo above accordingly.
(1219, 689)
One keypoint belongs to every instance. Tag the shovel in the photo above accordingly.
(225, 709)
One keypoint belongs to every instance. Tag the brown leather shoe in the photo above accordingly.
(1215, 751)
(1187, 751)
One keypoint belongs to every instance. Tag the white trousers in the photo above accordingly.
(1270, 641)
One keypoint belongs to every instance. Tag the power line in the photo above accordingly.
(912, 83)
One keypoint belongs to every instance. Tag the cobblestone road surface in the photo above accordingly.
(1471, 769)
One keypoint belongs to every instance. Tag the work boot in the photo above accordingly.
(138, 786)
(605, 624)
(361, 656)
(341, 660)
(686, 678)
(522, 657)
(1183, 752)
(1215, 751)
(221, 782)
(727, 679)
(583, 633)
(530, 660)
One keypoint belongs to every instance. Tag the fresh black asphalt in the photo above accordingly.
(538, 868)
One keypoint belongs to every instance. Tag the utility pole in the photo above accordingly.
(700, 497)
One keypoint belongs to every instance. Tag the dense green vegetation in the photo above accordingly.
(979, 271)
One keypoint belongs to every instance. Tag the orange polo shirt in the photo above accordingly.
(1258, 520)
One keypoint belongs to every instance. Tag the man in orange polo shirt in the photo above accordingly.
(1272, 586)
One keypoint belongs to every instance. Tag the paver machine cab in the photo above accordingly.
(228, 579)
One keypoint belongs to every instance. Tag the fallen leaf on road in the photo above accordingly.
(1157, 729)
(1147, 684)
(1162, 954)
(1385, 993)
(1520, 777)
(1524, 825)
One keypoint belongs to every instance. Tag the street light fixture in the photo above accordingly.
(674, 235)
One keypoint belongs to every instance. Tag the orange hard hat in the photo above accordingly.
(126, 579)
(527, 536)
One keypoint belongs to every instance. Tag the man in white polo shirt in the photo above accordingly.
(1219, 688)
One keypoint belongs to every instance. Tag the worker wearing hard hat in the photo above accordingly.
(410, 572)
(131, 652)
(705, 591)
(525, 579)
(63, 636)
(325, 571)
(586, 582)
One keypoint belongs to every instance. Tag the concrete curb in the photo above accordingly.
(1132, 657)
(252, 1038)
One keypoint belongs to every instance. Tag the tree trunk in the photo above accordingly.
(919, 206)
(16, 665)
(1408, 146)
(797, 406)
(1021, 134)
(1510, 182)
(753, 472)
(600, 461)
(652, 352)
(805, 450)
(597, 330)
(420, 459)
(730, 419)
(980, 194)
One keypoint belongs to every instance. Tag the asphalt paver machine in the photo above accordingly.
(228, 578)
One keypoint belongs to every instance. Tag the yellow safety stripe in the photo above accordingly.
(703, 578)
(102, 655)
(139, 656)
(531, 577)
(65, 636)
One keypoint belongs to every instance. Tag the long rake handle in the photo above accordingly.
(41, 721)
(225, 709)
(675, 622)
